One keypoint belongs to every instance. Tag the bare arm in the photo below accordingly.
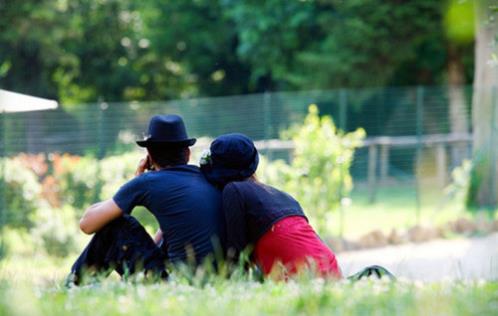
(98, 215)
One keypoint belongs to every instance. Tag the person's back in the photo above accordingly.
(263, 206)
(186, 206)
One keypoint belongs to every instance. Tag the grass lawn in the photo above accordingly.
(394, 207)
(32, 286)
(31, 283)
(25, 296)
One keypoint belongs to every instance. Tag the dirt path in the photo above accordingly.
(456, 259)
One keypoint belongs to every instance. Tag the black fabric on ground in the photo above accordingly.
(122, 245)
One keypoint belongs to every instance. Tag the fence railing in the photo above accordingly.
(378, 153)
(409, 129)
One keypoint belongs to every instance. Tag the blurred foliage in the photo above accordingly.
(77, 179)
(22, 193)
(81, 181)
(325, 44)
(18, 241)
(45, 196)
(459, 21)
(115, 50)
(458, 189)
(55, 230)
(194, 43)
(117, 170)
(69, 50)
(318, 176)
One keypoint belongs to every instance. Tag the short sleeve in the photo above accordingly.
(233, 208)
(131, 194)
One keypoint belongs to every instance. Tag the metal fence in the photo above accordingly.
(106, 128)
(414, 133)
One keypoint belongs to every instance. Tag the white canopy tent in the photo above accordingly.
(17, 102)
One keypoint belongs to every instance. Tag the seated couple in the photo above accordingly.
(219, 208)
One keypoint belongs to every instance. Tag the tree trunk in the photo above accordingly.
(459, 121)
(483, 189)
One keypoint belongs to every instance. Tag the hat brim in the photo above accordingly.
(182, 143)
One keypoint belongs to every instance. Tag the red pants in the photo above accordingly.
(292, 244)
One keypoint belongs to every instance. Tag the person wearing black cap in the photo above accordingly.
(186, 206)
(262, 218)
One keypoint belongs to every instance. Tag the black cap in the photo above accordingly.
(233, 157)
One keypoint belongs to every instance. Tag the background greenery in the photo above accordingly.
(116, 50)
(123, 50)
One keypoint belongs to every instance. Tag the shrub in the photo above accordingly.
(460, 181)
(17, 242)
(55, 230)
(115, 171)
(78, 179)
(22, 193)
(318, 176)
(85, 180)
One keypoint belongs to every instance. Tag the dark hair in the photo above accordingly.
(168, 155)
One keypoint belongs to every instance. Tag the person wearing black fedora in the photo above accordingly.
(186, 206)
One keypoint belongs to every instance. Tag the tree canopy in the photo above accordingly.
(117, 50)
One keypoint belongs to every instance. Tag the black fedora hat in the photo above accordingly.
(166, 129)
(232, 157)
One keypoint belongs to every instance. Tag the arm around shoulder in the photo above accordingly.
(98, 215)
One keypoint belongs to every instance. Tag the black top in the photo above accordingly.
(186, 205)
(251, 208)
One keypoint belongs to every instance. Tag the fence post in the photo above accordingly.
(441, 166)
(343, 109)
(493, 147)
(372, 172)
(343, 106)
(101, 107)
(3, 198)
(384, 163)
(419, 130)
(267, 121)
(100, 129)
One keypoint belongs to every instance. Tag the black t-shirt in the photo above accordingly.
(251, 208)
(186, 205)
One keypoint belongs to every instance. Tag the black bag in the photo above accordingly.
(374, 271)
